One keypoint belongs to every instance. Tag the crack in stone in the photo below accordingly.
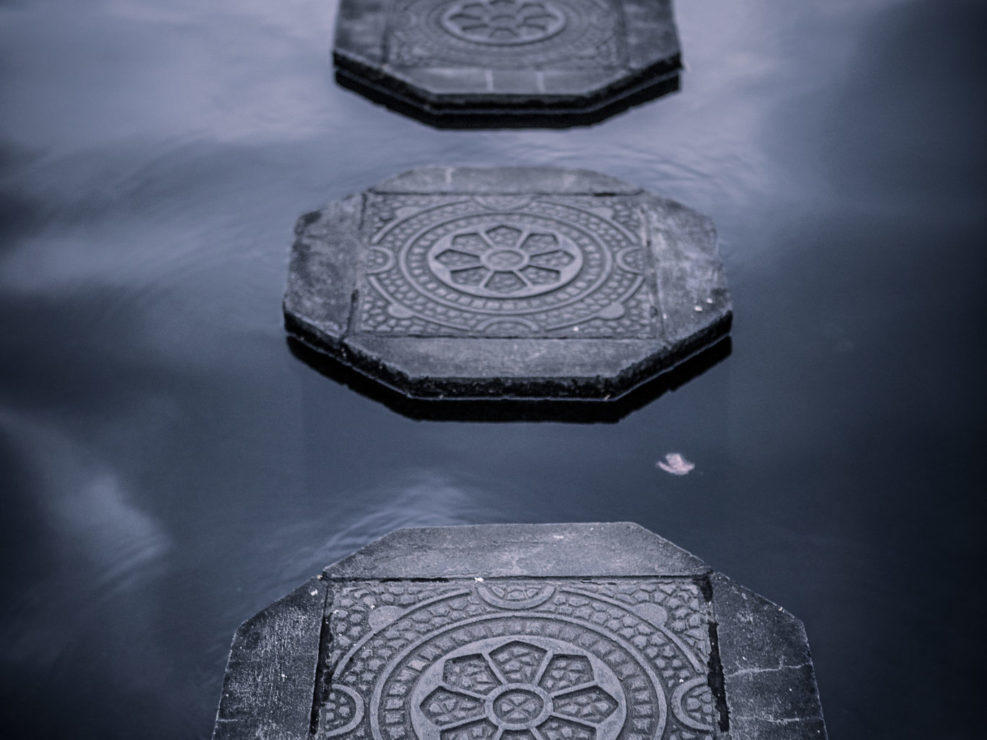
(779, 721)
(755, 671)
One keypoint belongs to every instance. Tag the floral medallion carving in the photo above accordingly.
(505, 33)
(518, 660)
(529, 688)
(533, 266)
(504, 21)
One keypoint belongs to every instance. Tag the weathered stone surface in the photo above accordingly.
(272, 668)
(506, 283)
(521, 632)
(463, 58)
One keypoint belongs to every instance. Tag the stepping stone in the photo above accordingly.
(462, 58)
(521, 632)
(515, 283)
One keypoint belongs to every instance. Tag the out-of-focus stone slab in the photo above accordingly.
(461, 59)
(521, 632)
(506, 283)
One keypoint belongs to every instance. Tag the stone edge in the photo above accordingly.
(454, 180)
(767, 671)
(592, 550)
(270, 675)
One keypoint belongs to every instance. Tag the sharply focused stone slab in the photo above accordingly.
(521, 632)
(514, 57)
(507, 282)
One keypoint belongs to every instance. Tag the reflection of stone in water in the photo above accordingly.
(675, 464)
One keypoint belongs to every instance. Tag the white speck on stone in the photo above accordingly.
(699, 309)
(675, 464)
(478, 579)
(313, 593)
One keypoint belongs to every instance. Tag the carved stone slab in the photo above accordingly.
(521, 632)
(518, 282)
(510, 56)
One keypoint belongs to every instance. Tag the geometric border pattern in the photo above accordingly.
(508, 266)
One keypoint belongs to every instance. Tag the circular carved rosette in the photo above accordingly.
(543, 269)
(522, 686)
(504, 33)
(507, 22)
(492, 259)
(520, 660)
(500, 677)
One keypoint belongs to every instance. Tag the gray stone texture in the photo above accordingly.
(521, 632)
(272, 668)
(516, 57)
(506, 283)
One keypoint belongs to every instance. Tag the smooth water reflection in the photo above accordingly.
(169, 467)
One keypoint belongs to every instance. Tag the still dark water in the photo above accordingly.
(168, 467)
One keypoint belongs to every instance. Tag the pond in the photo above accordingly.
(169, 466)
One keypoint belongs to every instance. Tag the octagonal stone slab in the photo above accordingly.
(515, 57)
(521, 632)
(506, 283)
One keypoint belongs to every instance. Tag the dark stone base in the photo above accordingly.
(574, 411)
(586, 390)
(463, 113)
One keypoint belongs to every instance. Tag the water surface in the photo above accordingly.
(168, 467)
